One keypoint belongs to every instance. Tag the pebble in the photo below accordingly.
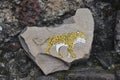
(13, 46)
(0, 28)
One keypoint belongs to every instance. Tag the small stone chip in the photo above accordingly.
(0, 28)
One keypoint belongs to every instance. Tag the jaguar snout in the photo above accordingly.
(83, 40)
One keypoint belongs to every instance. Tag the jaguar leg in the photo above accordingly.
(48, 49)
(71, 52)
(58, 46)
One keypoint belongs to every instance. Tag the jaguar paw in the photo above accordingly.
(73, 56)
(60, 56)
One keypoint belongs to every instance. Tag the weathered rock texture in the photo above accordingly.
(33, 12)
(105, 19)
(90, 76)
(56, 8)
(117, 29)
(28, 12)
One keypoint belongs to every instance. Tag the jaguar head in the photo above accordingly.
(81, 37)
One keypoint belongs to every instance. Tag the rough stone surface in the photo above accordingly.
(104, 16)
(8, 21)
(46, 78)
(6, 14)
(90, 76)
(56, 8)
(38, 12)
(118, 75)
(117, 29)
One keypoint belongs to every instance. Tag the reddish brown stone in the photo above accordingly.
(29, 12)
(13, 46)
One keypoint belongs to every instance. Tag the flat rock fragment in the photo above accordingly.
(54, 48)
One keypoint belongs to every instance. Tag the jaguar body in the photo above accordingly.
(66, 39)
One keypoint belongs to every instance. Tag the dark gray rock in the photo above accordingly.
(11, 29)
(8, 56)
(107, 59)
(46, 78)
(104, 17)
(1, 37)
(24, 64)
(117, 37)
(3, 78)
(90, 76)
(16, 64)
(118, 75)
(3, 70)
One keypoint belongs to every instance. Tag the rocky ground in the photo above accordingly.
(15, 15)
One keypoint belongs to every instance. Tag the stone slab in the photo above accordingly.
(54, 48)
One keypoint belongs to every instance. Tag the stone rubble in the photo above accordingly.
(104, 12)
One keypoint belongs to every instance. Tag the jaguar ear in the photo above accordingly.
(78, 31)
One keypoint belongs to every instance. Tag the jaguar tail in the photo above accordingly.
(39, 44)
